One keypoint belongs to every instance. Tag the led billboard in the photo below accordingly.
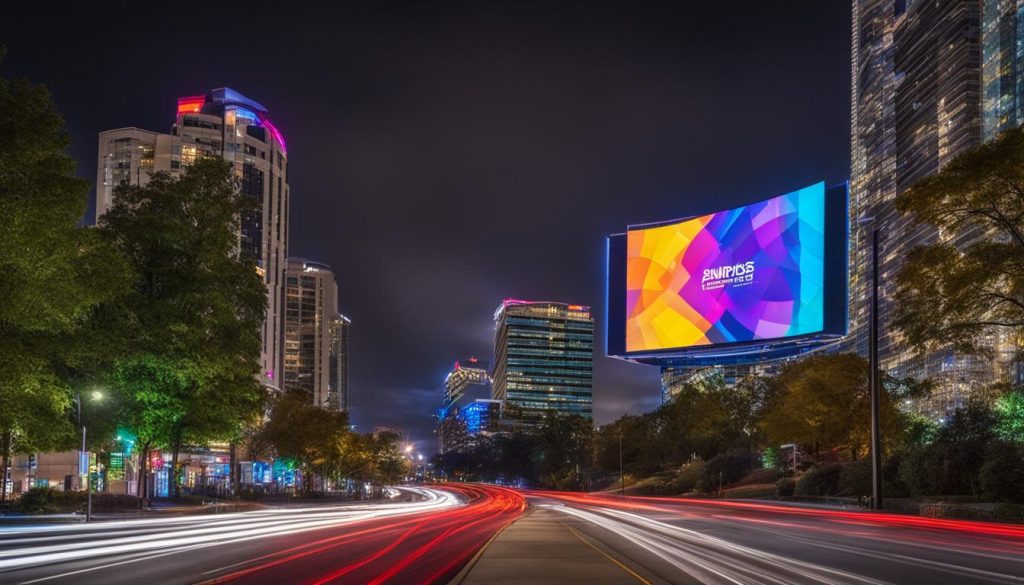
(771, 270)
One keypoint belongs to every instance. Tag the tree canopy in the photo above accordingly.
(194, 313)
(951, 292)
(55, 274)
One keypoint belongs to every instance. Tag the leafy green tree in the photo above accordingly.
(311, 436)
(54, 275)
(949, 294)
(195, 311)
(951, 464)
(565, 451)
(1001, 476)
(824, 405)
(1010, 413)
(389, 462)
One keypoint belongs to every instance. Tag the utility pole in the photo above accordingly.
(622, 476)
(876, 382)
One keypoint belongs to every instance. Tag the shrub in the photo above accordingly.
(51, 501)
(820, 481)
(689, 476)
(855, 479)
(785, 487)
(42, 500)
(726, 468)
(1002, 473)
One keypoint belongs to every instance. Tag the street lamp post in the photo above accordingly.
(84, 454)
(84, 457)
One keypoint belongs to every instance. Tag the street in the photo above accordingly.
(667, 540)
(433, 535)
(424, 537)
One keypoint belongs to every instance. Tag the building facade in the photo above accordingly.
(311, 335)
(467, 407)
(544, 356)
(930, 81)
(341, 335)
(674, 380)
(225, 124)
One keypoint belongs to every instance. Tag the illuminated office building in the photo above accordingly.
(930, 80)
(312, 337)
(674, 380)
(544, 355)
(225, 124)
(341, 335)
(467, 407)
(1002, 65)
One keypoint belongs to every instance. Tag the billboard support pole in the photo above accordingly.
(875, 382)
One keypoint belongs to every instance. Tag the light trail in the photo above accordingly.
(710, 559)
(769, 543)
(130, 537)
(986, 529)
(427, 548)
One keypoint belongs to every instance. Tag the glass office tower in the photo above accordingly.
(544, 360)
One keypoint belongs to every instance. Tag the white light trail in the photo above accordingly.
(710, 559)
(135, 536)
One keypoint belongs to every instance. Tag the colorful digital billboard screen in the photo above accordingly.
(757, 272)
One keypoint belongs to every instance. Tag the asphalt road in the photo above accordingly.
(669, 540)
(424, 537)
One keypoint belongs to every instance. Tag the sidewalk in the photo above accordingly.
(540, 548)
(157, 511)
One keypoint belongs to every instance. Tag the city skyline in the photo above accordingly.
(406, 140)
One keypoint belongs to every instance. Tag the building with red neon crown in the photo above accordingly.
(227, 124)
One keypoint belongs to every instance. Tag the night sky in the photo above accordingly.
(445, 156)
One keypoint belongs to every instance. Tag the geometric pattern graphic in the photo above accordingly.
(750, 273)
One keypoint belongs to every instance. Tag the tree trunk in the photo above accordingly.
(234, 470)
(3, 468)
(143, 474)
(172, 475)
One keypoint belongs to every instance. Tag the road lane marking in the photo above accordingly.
(607, 556)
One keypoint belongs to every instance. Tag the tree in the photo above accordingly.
(951, 464)
(1010, 414)
(389, 463)
(1002, 474)
(564, 450)
(195, 311)
(949, 294)
(310, 436)
(824, 404)
(54, 275)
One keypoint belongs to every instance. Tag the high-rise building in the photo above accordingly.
(341, 335)
(673, 380)
(544, 356)
(1002, 65)
(920, 98)
(467, 407)
(226, 124)
(311, 335)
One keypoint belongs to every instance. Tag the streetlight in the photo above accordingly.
(84, 457)
(875, 380)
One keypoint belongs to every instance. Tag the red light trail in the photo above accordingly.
(423, 548)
